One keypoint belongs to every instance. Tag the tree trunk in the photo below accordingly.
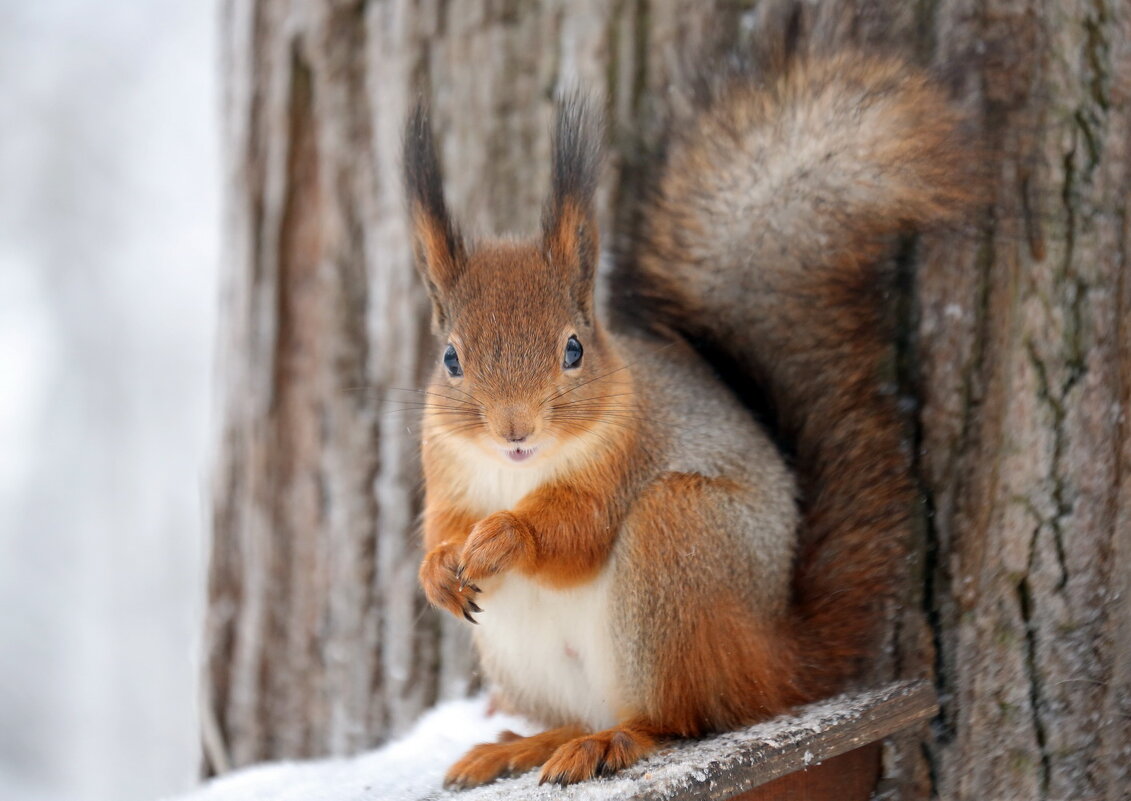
(1024, 370)
(317, 639)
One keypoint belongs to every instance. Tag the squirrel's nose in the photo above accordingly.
(514, 424)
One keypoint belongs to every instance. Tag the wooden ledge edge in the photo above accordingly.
(814, 734)
(727, 765)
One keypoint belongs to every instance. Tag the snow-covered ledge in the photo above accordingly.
(412, 769)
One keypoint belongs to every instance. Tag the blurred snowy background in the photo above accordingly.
(109, 217)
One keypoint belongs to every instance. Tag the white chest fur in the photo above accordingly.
(551, 650)
(486, 484)
(498, 486)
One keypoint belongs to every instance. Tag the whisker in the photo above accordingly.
(585, 384)
(625, 424)
(433, 390)
(438, 409)
(429, 393)
(385, 397)
(452, 431)
(593, 410)
(601, 436)
(624, 366)
(428, 402)
(598, 416)
(466, 394)
(594, 399)
(595, 406)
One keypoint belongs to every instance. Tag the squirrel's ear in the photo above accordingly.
(437, 245)
(569, 220)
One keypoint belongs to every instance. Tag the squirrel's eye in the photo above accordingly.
(572, 357)
(451, 361)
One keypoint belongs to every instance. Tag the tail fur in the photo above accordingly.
(765, 239)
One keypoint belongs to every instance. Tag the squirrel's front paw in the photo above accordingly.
(443, 587)
(497, 543)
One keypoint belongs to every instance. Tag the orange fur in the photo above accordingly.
(576, 526)
(599, 754)
(626, 480)
(434, 248)
(445, 531)
(719, 666)
(510, 755)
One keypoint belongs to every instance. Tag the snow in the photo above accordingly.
(412, 768)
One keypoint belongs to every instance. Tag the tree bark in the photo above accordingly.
(1017, 349)
(1024, 374)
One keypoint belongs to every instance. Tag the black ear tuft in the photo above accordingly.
(569, 220)
(437, 243)
(422, 178)
(578, 130)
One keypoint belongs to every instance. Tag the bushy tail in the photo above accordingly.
(765, 238)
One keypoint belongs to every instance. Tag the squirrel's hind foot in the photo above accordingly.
(509, 756)
(600, 754)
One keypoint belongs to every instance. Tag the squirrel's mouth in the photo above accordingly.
(519, 454)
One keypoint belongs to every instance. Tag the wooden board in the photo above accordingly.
(851, 776)
(728, 765)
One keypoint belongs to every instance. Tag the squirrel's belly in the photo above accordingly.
(550, 651)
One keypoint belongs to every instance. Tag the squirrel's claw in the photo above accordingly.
(468, 607)
(463, 584)
(440, 578)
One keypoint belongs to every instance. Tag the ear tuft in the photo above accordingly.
(437, 243)
(578, 130)
(569, 219)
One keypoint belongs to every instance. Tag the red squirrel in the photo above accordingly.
(641, 560)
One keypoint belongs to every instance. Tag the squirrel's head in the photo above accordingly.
(524, 366)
